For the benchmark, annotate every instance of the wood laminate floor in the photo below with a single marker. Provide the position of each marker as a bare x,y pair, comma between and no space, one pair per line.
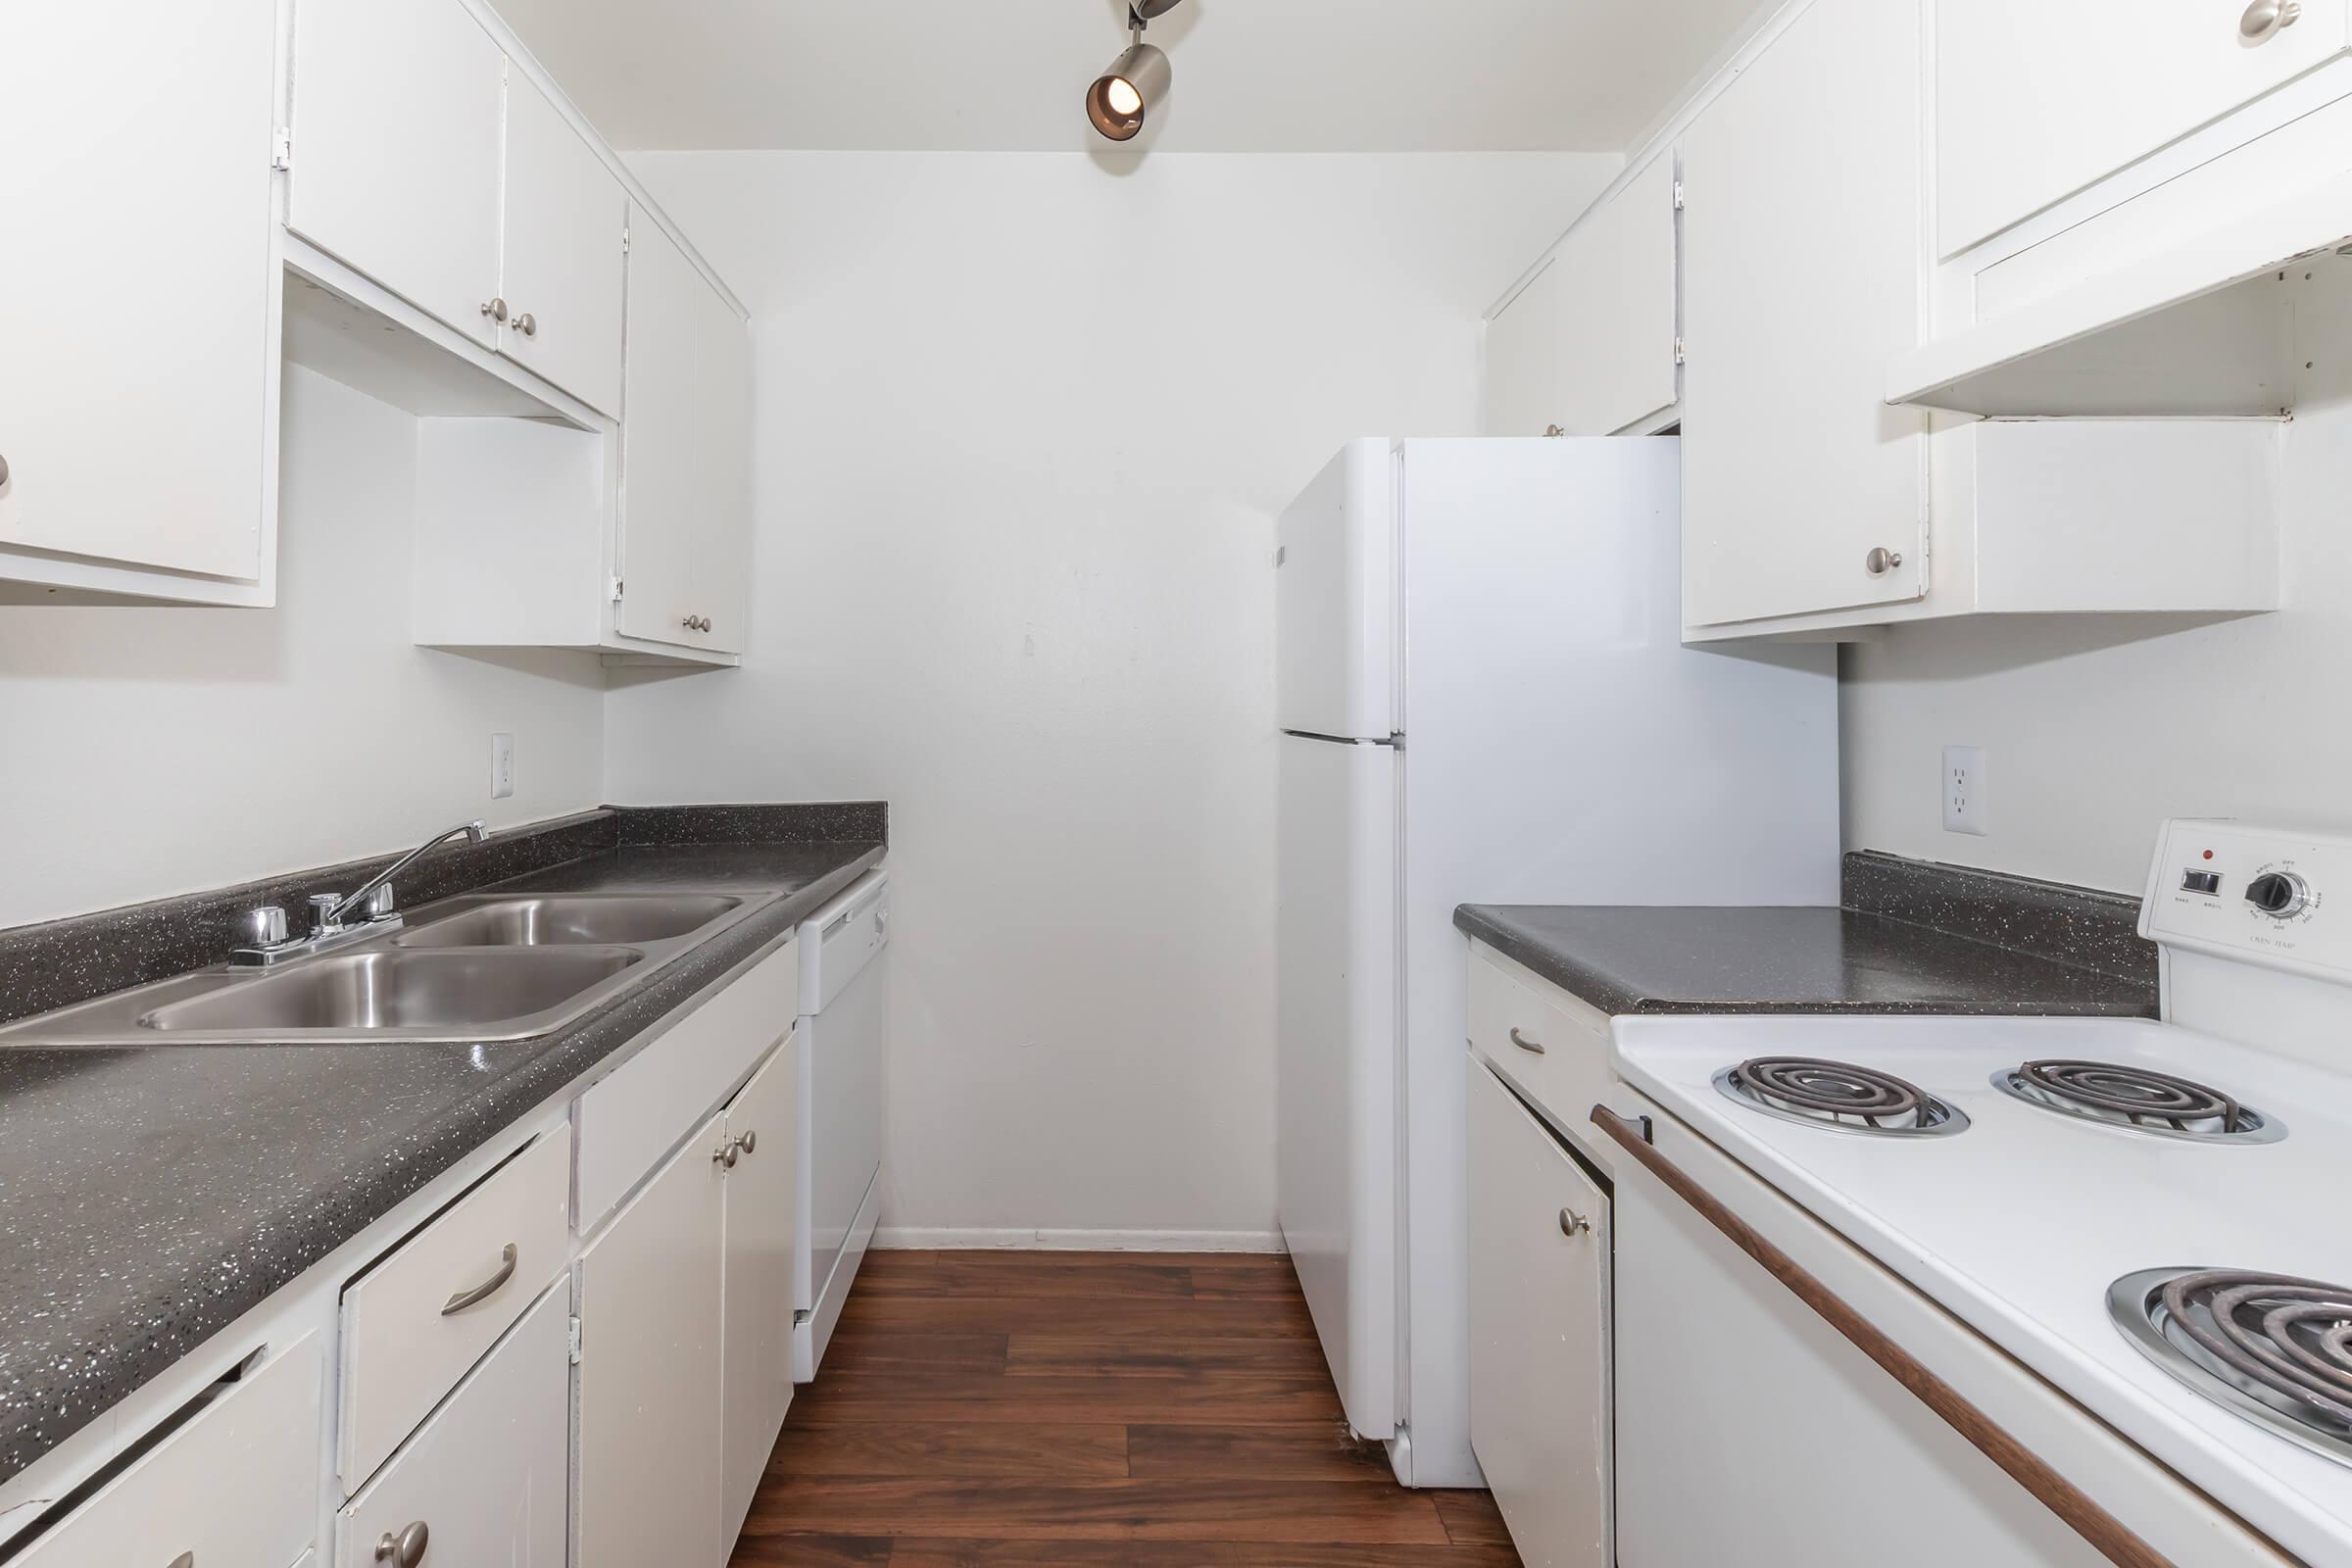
1064,1408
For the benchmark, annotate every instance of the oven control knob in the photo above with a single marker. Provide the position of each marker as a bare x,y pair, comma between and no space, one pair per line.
2278,893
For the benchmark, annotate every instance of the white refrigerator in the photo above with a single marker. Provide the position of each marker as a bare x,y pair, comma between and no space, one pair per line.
1484,699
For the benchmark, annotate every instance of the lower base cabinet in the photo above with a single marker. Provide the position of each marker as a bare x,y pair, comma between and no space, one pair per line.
685,1309
763,1213
650,1383
1539,1394
484,1480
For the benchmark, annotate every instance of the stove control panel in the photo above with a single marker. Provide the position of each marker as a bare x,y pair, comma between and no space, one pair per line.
2253,894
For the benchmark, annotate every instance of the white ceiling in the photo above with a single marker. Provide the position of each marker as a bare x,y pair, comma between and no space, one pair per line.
1250,76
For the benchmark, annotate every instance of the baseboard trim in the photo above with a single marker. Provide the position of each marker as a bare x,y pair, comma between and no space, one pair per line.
906,1238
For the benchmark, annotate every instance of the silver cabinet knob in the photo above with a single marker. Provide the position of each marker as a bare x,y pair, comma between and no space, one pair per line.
3,471
1573,1224
265,927
496,310
750,1142
1881,560
727,1156
697,623
186,1559
2265,20
406,1549
526,324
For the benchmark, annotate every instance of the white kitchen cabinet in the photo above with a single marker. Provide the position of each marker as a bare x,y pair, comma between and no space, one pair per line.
1539,1400
237,1482
1617,308
485,1481
2036,99
1802,274
139,303
562,271
685,457
1523,358
763,1214
397,130
650,1384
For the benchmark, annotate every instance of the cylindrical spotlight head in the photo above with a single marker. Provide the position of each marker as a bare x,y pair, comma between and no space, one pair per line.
1128,91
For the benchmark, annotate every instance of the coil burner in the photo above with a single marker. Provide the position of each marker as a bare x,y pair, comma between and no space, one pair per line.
1839,1096
2276,1349
2136,1099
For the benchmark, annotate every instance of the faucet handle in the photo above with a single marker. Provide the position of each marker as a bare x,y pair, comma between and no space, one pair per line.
382,903
322,905
263,927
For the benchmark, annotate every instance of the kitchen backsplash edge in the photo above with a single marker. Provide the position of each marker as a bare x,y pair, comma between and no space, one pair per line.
2081,927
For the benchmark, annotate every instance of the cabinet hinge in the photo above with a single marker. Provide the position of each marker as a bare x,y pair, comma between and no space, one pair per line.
1677,351
1678,196
616,587
575,1342
282,148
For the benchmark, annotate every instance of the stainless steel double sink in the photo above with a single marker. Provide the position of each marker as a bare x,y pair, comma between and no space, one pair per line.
482,967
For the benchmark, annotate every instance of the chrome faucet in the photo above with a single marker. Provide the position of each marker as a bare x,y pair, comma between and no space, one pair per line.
265,938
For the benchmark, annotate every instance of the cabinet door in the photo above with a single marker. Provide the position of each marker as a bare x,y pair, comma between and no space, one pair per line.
1616,309
1802,266
2036,100
561,270
137,292
649,1377
487,1476
1539,1333
762,1212
685,452
396,109
1523,364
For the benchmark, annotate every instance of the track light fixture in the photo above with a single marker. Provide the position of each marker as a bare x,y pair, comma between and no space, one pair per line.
1134,84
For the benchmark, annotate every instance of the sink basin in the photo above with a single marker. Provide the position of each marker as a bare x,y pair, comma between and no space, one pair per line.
578,920
395,990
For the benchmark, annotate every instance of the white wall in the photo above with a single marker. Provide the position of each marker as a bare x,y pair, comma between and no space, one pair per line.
147,752
2097,729
1024,424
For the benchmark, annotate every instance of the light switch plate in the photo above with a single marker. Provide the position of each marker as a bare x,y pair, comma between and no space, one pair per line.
1963,789
501,766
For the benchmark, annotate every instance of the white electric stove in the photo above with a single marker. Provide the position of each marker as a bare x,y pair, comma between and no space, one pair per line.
2149,1215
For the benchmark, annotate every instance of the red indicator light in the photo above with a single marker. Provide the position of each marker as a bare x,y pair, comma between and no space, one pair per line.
2209,854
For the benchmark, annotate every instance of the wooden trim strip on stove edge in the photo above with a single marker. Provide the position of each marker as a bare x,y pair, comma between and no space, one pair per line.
2106,1533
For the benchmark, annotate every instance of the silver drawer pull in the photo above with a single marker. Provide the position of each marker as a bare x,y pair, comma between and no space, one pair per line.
406,1549
2264,19
1525,1043
476,1296
1573,1224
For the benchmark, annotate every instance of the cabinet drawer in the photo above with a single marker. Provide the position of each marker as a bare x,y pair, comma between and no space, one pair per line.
487,1475
1539,1332
631,1119
1556,1057
236,1486
414,1323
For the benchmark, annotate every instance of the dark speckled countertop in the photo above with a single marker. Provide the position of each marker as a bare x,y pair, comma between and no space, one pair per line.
1811,960
154,1194
1912,936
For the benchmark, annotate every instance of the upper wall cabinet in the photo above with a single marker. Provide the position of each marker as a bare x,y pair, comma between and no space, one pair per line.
397,119
1803,492
423,160
685,454
1588,346
2038,99
139,309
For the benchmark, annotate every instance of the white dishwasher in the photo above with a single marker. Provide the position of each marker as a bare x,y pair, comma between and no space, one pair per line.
844,984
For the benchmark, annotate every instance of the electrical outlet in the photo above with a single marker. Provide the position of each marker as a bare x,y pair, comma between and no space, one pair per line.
501,766
1963,789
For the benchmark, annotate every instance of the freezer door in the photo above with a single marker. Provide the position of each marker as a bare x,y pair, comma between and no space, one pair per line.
1336,603
1336,1012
